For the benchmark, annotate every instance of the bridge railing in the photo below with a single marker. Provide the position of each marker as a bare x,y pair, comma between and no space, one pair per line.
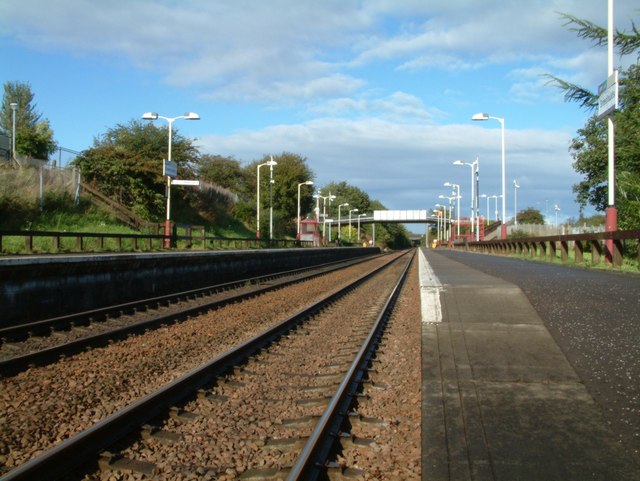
30,242
610,247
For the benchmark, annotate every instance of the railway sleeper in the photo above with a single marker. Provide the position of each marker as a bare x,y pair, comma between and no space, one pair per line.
165,437
117,463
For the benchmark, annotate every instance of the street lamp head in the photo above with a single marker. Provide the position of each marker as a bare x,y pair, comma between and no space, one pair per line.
354,210
344,205
448,184
191,116
149,116
13,105
309,182
271,162
515,185
458,162
480,116
332,197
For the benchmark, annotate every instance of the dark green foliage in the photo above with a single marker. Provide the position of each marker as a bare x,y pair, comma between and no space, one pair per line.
590,148
34,137
530,216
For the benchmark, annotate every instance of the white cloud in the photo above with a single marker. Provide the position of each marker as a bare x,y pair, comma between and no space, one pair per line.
388,160
282,49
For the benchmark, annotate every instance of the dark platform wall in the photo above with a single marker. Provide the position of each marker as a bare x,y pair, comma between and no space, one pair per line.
38,287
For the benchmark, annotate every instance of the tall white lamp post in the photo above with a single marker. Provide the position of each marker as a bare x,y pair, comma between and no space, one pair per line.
447,225
14,107
271,182
307,182
484,116
359,217
170,120
270,163
557,209
456,192
350,211
440,213
475,171
483,196
515,202
340,207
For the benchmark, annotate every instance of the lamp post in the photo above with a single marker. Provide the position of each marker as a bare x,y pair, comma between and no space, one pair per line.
557,209
271,163
447,226
515,202
475,173
350,211
484,116
271,182
487,197
170,120
340,207
440,221
306,182
359,216
14,107
456,191
324,210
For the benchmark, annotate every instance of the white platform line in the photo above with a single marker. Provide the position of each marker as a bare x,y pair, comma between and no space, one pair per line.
430,288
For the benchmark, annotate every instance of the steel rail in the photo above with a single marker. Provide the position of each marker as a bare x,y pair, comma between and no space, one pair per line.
312,459
12,366
77,450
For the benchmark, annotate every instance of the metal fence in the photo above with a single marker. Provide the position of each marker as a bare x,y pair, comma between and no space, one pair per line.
45,242
609,247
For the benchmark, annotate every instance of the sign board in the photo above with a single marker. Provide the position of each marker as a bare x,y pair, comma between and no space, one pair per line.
169,168
608,95
185,182
399,215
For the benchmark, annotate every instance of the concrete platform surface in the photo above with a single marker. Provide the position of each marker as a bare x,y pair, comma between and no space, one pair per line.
500,399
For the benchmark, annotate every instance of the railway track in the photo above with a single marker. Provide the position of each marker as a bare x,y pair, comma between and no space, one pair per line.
41,342
280,405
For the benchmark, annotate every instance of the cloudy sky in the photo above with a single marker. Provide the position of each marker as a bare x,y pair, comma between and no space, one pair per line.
377,93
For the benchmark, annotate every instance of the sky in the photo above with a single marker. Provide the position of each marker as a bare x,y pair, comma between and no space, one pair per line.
378,93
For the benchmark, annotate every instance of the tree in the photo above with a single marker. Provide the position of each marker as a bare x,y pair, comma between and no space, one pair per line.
224,171
589,148
291,170
34,136
530,216
126,164
627,43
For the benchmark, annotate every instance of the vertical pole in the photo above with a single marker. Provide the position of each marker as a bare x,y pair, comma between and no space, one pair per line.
258,205
477,180
271,181
473,167
611,213
167,224
504,184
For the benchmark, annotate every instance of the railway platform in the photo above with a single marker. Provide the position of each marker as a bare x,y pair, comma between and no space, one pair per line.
500,401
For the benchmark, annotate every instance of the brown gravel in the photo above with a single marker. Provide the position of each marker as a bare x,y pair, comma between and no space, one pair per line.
43,406
394,398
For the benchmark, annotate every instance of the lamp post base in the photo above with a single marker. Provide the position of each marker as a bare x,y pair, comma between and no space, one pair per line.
612,251
167,234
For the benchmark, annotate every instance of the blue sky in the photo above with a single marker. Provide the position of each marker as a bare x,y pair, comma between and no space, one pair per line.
376,93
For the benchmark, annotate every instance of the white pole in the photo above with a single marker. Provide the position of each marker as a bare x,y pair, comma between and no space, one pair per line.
271,182
258,206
